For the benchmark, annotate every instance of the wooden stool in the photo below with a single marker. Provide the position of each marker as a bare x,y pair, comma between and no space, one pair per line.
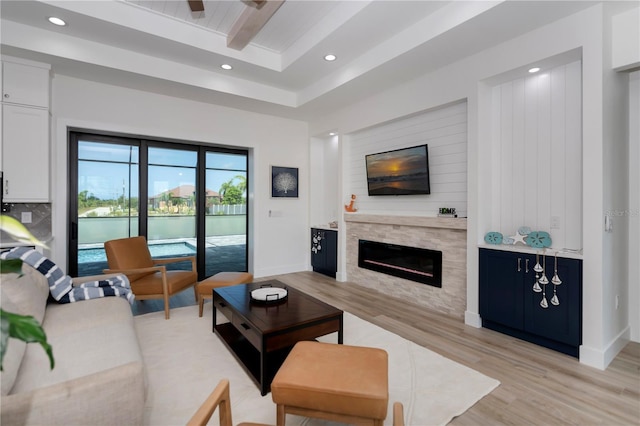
348,384
204,289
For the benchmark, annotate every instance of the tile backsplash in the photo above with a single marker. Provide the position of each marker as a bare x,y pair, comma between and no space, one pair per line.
40,225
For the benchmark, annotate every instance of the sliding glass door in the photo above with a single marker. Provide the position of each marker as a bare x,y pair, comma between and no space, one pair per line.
105,200
185,199
226,212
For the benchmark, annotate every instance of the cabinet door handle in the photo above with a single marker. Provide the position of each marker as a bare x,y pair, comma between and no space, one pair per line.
6,187
519,268
6,95
526,266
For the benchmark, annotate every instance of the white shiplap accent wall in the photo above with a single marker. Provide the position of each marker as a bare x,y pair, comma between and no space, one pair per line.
537,155
445,131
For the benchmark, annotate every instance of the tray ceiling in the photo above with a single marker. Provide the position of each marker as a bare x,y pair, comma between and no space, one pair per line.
162,46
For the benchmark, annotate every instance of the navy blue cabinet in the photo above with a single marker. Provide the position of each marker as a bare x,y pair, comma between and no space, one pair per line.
324,251
502,294
509,305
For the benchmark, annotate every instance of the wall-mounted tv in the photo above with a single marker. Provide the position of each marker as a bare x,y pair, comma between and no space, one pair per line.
399,172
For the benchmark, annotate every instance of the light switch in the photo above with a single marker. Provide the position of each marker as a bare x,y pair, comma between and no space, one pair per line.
608,224
26,217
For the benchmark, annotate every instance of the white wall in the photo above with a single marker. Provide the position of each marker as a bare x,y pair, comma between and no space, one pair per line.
279,243
323,207
444,130
583,32
626,40
536,152
634,205
615,281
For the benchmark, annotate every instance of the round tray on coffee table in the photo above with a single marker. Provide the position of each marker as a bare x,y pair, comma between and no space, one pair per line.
268,295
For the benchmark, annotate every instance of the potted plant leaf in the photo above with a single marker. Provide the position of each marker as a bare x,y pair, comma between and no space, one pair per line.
22,327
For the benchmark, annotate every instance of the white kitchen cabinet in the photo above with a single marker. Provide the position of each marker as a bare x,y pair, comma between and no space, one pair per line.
25,82
25,154
25,130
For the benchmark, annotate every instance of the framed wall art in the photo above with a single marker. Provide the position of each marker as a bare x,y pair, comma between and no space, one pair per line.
284,182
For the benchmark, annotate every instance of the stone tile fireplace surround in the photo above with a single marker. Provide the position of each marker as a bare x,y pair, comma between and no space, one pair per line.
448,235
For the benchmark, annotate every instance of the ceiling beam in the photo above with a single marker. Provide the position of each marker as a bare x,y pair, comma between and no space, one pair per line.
196,5
250,22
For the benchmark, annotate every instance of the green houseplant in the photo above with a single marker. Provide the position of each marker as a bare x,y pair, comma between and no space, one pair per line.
22,327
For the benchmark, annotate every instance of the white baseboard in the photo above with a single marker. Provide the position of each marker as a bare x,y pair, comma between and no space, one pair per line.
286,269
473,319
601,359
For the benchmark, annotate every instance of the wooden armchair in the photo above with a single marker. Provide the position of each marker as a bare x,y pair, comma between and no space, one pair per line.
149,277
398,414
221,400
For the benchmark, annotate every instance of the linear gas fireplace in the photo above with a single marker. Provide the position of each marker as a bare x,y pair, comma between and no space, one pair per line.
412,263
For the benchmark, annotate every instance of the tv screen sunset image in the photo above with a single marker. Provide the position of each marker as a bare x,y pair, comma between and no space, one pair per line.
400,172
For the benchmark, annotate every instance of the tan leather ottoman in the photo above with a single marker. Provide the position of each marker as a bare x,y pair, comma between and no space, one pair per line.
204,289
349,384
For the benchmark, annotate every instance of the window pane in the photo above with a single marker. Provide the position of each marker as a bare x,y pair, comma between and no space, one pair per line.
226,213
107,205
108,152
172,157
226,161
171,224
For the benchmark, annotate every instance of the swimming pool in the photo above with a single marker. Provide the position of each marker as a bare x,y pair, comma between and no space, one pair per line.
157,250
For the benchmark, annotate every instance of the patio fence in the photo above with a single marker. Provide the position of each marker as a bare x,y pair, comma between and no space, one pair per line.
92,230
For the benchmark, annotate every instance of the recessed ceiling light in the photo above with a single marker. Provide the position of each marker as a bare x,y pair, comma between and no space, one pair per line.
57,21
330,57
332,133
226,67
534,69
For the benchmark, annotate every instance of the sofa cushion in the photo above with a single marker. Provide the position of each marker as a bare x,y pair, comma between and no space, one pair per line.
13,356
111,397
24,295
87,337
29,292
59,283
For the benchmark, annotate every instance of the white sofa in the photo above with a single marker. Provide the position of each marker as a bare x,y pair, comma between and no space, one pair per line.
99,375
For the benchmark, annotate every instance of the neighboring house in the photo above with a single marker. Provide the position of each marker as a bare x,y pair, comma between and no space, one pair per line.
295,133
183,192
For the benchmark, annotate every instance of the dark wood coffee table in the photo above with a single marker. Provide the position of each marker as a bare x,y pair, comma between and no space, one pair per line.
261,335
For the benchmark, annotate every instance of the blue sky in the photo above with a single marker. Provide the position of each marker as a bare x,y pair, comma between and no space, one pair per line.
109,171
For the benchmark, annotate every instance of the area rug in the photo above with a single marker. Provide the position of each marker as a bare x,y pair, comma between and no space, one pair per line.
185,361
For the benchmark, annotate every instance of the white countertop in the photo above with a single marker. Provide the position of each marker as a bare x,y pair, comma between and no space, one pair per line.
9,243
324,227
518,248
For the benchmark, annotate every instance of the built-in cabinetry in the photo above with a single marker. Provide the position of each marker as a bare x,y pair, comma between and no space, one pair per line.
324,251
509,304
25,130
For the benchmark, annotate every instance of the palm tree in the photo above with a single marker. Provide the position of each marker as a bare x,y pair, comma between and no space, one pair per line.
192,202
228,187
166,197
242,185
225,187
179,202
82,198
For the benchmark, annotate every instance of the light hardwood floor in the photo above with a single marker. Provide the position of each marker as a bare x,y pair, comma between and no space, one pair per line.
538,386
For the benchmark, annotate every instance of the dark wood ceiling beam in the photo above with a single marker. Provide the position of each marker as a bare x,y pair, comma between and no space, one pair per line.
250,22
196,5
